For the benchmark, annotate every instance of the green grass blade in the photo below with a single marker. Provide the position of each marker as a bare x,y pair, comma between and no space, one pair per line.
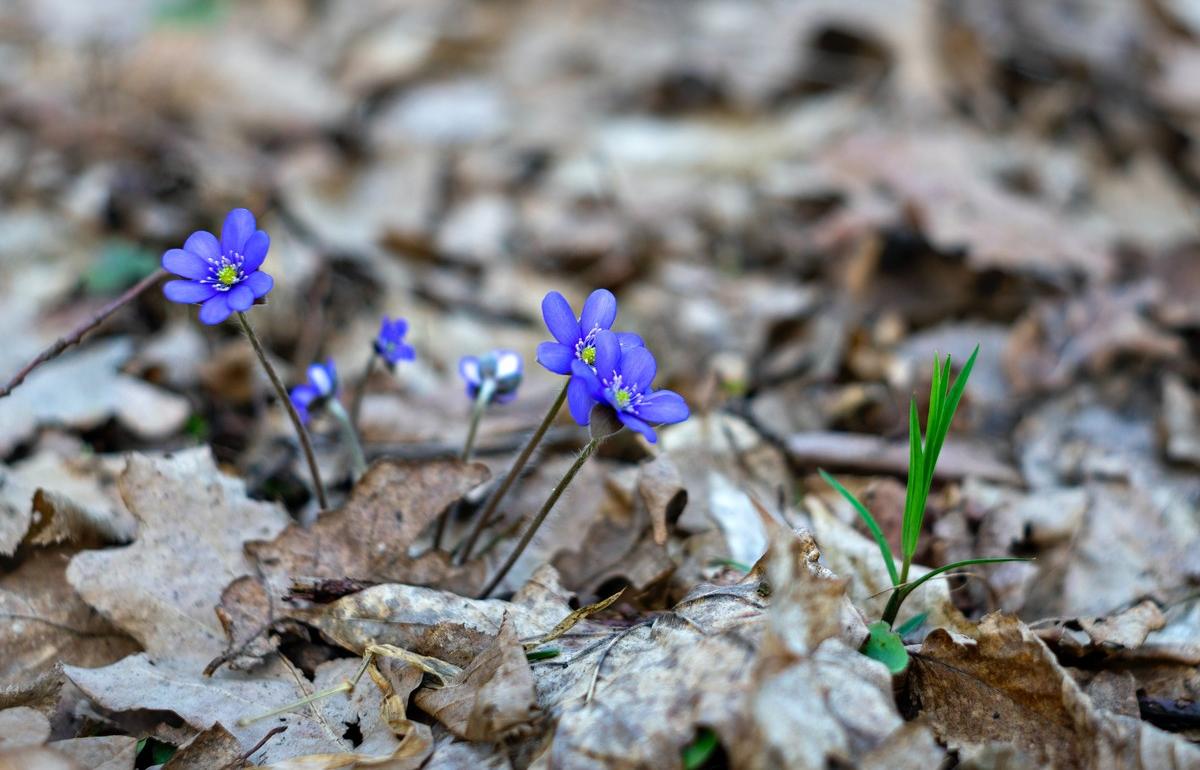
911,527
872,525
954,397
915,584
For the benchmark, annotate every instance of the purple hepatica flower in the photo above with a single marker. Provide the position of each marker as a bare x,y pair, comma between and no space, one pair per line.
222,276
390,344
322,385
621,379
576,341
503,367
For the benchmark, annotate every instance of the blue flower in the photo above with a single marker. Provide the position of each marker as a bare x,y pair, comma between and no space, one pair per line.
576,341
322,385
222,276
390,344
503,367
621,379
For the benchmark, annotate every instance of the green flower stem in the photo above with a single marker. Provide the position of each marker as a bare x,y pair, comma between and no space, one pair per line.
482,397
358,461
281,391
489,508
486,391
356,405
563,483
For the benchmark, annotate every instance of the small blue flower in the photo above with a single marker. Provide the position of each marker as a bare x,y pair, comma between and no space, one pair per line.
576,341
322,385
621,379
503,367
390,344
222,276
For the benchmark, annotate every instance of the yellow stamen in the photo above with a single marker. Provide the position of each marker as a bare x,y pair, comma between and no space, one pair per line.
588,355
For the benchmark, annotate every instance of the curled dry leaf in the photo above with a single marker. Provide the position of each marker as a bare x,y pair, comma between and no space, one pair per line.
493,698
215,747
163,588
1006,687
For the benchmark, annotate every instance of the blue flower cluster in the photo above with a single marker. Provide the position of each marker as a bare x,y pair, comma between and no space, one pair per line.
613,369
606,368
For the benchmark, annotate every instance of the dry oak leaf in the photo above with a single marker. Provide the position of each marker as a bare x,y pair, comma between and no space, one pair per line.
163,588
1006,687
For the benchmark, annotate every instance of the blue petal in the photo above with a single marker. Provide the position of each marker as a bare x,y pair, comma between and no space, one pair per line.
608,354
579,401
583,373
508,364
215,310
637,368
255,251
468,369
203,244
599,311
556,357
630,340
239,226
185,263
560,319
633,423
188,292
303,395
260,283
663,406
241,297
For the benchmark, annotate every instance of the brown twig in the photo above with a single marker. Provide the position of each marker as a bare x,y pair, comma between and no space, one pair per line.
245,756
62,343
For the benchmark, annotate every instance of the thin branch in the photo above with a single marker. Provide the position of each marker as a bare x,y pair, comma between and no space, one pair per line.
62,343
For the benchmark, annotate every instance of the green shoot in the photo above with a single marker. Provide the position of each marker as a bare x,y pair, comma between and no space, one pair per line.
697,753
923,451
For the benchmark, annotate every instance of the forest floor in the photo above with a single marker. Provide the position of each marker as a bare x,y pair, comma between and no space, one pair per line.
796,204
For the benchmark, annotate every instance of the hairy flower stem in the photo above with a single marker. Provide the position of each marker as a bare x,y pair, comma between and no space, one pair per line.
563,483
281,391
356,405
493,501
486,391
358,461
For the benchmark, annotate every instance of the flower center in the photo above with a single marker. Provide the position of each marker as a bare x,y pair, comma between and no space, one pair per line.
588,355
622,397
227,275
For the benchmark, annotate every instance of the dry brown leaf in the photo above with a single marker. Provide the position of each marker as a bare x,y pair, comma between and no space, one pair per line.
163,588
571,620
52,395
215,747
493,698
22,726
368,537
137,683
1006,687
41,758
43,621
109,752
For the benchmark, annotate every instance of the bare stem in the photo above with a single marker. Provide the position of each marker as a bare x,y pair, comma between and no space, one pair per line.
489,508
356,405
561,487
358,460
281,391
62,343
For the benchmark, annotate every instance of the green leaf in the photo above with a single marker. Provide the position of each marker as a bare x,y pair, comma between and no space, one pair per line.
872,525
119,266
737,565
885,645
913,585
912,624
696,753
